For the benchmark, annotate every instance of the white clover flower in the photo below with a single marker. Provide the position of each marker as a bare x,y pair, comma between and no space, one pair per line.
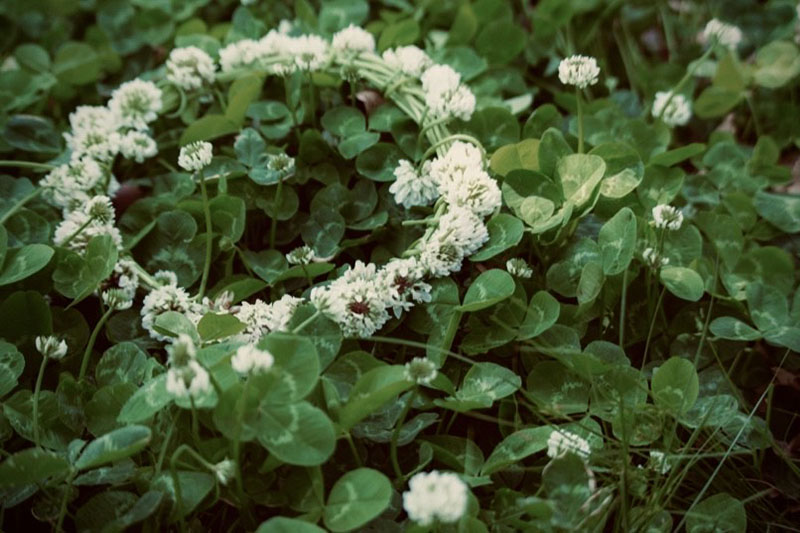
460,233
435,496
117,299
93,118
580,71
562,442
412,189
188,380
168,297
51,347
261,318
166,277
99,208
658,462
276,51
282,164
99,145
195,156
241,54
310,52
444,94
302,255
667,217
420,370
137,145
725,34
78,228
653,259
190,67
136,103
410,60
225,470
351,41
357,300
403,279
249,359
472,189
519,268
674,110
68,186
460,157
124,278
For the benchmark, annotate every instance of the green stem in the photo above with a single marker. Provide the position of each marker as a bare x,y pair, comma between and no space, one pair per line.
209,237
685,79
396,435
578,100
708,315
306,322
652,325
88,351
622,306
237,441
353,449
20,204
36,391
76,232
451,138
163,453
26,164
62,510
273,228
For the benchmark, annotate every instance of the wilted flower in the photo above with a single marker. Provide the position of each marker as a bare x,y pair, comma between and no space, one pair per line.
225,470
653,259
117,299
51,347
580,71
519,268
195,156
435,496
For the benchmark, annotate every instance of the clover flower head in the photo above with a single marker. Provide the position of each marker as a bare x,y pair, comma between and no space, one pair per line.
190,380
435,496
117,299
137,145
241,54
410,60
674,110
261,318
136,103
225,470
580,71
667,217
445,96
190,67
302,255
517,267
352,40
195,156
420,370
51,347
310,52
403,279
168,297
562,442
411,188
652,258
100,208
78,228
249,359
723,33
70,185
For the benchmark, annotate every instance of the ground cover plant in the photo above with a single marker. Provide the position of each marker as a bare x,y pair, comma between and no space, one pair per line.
399,266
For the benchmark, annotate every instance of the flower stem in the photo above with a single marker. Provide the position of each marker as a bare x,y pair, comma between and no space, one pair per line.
396,435
273,228
76,232
622,305
209,237
306,322
652,325
237,441
579,99
62,510
19,205
37,390
88,351
26,164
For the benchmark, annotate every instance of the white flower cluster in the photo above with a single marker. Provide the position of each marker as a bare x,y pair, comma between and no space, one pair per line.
653,259
261,318
302,255
168,297
445,95
411,188
186,377
195,156
519,268
249,359
94,218
410,60
278,53
51,347
580,71
225,470
420,370
190,68
351,41
725,34
667,217
435,496
136,103
562,442
674,110
70,185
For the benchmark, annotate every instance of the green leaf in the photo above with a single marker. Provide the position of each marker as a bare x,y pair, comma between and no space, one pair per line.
777,64
590,283
356,498
727,327
24,262
207,128
464,26
228,216
556,389
552,148
355,144
624,169
194,487
76,64
218,326
683,282
678,155
505,231
250,147
483,384
295,371
242,92
489,288
124,363
617,240
516,447
781,210
335,15
372,391
580,174
675,385
522,155
400,33
378,163
281,524
146,402
500,41
720,512
31,466
12,363
113,446
344,121
543,311
768,306
716,101
297,434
